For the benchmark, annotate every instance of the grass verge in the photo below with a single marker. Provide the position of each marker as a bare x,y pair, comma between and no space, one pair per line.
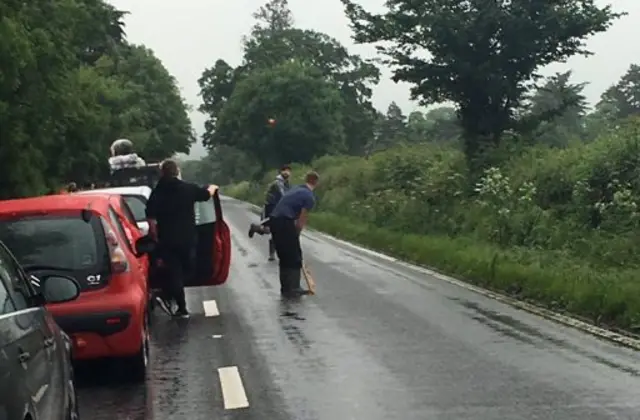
608,298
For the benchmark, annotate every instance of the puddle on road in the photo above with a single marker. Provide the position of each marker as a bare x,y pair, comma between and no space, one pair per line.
504,330
292,331
292,315
518,330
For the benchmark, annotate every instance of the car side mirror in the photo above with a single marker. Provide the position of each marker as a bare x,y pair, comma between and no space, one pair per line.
145,245
59,289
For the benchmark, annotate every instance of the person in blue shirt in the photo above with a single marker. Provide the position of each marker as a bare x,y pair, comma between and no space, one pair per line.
287,220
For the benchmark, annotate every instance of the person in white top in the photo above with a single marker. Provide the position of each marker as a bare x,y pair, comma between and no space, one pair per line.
124,156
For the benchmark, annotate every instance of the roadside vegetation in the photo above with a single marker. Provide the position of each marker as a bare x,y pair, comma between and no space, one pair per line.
70,84
516,186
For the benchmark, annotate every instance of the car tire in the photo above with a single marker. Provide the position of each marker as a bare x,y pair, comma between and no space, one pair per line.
136,365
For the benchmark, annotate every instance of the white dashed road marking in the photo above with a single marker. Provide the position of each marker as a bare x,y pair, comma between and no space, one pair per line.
210,308
233,392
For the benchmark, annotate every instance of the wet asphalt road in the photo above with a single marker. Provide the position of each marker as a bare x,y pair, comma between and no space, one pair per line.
379,341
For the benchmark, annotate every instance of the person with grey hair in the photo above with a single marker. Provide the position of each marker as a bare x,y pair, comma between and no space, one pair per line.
171,215
123,156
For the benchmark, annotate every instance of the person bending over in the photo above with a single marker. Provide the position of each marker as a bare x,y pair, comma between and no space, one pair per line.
288,219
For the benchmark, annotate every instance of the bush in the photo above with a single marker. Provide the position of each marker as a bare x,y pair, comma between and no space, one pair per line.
557,226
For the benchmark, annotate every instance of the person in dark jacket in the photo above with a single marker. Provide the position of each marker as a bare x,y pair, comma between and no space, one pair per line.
274,193
288,219
171,215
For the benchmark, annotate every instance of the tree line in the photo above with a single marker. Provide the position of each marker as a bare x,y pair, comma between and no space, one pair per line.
479,61
70,84
509,180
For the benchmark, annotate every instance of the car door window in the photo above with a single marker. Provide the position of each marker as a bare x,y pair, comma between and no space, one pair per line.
138,206
121,230
127,212
14,293
6,305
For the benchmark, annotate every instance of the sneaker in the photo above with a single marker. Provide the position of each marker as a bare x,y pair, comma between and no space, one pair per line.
182,313
164,304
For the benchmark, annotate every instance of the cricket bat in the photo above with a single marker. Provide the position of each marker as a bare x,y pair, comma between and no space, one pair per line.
311,283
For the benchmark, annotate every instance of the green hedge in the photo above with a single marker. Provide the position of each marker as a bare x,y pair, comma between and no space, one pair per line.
554,226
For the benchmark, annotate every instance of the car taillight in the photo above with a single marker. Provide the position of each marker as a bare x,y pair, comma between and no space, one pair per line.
117,256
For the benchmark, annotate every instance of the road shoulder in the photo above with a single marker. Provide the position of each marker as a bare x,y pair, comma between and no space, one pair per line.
623,339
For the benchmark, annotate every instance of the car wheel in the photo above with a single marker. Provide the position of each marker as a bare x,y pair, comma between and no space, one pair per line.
72,406
136,365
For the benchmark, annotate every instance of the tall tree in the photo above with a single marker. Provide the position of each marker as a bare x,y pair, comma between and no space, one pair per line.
483,55
216,86
306,111
70,84
561,106
392,128
442,124
271,18
624,97
164,127
274,41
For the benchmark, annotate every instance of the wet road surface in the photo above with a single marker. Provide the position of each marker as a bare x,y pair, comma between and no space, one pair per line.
379,341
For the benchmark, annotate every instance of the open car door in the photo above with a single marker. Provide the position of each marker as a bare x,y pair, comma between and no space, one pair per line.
213,247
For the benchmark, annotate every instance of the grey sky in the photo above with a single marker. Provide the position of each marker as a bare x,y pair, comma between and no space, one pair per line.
189,35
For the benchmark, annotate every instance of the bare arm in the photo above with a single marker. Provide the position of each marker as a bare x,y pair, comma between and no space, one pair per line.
153,228
304,214
201,194
302,220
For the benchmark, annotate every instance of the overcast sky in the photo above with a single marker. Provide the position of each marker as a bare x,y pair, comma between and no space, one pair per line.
190,35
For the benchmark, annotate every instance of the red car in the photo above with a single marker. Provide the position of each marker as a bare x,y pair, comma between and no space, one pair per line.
89,238
213,249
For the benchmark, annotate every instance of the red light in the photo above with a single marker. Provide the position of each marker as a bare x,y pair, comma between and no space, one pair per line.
113,321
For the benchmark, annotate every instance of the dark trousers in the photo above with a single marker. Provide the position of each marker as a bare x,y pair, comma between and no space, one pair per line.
178,267
286,240
267,229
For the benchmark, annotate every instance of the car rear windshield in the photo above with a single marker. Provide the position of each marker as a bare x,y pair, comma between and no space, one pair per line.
66,242
137,204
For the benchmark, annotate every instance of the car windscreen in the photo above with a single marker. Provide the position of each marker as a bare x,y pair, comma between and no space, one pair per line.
66,242
137,204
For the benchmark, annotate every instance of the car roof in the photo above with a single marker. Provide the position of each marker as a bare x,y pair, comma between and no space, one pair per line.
51,203
142,190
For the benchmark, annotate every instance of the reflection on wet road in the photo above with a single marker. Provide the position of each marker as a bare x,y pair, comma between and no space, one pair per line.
379,341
